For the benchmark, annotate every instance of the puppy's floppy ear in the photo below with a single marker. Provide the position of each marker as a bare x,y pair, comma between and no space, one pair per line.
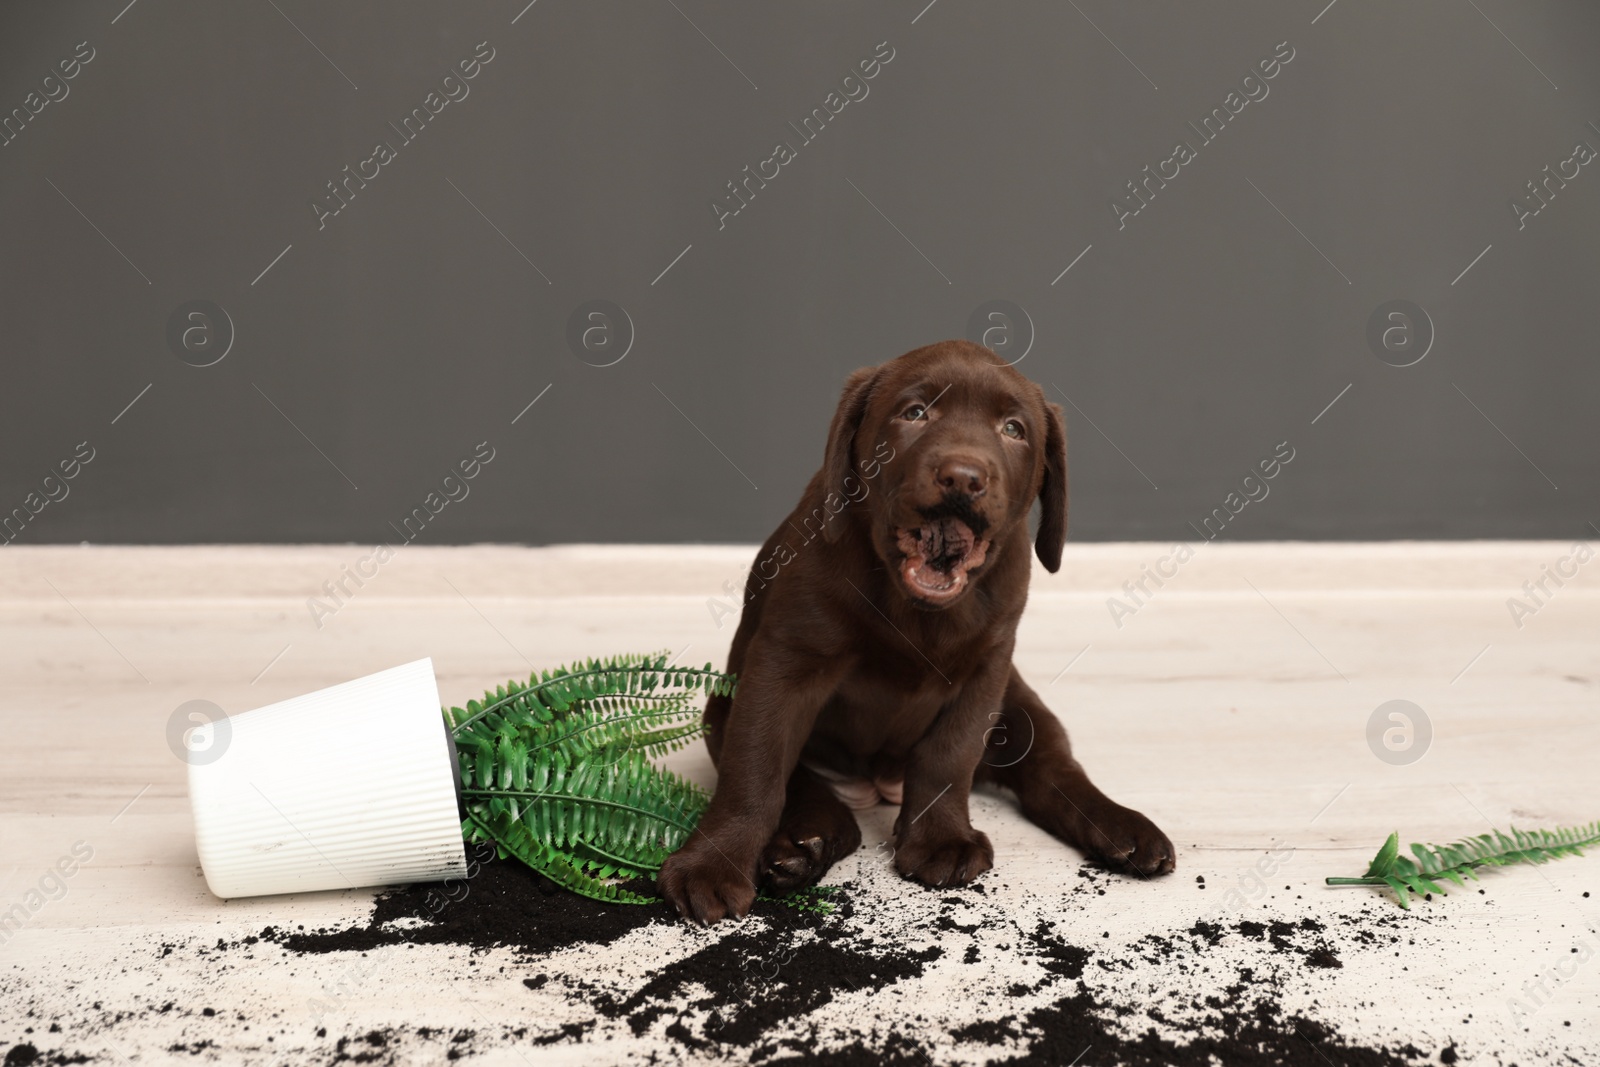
1053,492
837,461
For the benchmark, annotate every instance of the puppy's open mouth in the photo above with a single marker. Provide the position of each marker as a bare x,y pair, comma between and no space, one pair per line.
938,556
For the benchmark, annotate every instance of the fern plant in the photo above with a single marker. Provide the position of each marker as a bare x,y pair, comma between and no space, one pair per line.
1460,860
559,771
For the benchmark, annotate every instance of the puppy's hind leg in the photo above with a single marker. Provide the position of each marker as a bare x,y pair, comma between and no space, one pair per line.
1027,752
816,831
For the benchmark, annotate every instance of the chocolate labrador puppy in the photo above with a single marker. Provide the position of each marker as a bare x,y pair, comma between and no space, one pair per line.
874,648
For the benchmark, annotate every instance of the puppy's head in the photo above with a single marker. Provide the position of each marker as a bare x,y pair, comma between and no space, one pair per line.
947,448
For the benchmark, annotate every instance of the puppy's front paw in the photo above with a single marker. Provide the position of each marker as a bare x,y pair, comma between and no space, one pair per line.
704,884
803,849
953,859
1126,840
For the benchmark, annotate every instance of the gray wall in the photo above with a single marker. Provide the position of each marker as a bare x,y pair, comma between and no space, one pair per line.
1189,339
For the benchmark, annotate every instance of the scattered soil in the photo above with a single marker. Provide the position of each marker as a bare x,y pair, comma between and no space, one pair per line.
26,1055
1253,1034
506,905
756,980
1323,956
748,991
993,974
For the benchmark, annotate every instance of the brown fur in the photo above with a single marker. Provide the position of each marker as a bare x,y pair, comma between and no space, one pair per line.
843,663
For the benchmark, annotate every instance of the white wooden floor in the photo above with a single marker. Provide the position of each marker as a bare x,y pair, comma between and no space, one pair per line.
1232,707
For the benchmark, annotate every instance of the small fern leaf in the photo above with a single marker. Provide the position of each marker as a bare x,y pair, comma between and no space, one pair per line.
1383,862
1460,860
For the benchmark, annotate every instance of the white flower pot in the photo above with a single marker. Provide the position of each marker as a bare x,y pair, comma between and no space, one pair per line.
353,785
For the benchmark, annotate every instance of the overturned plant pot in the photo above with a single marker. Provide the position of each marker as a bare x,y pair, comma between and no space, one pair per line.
353,785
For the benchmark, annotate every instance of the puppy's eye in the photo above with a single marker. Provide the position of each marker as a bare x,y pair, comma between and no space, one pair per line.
913,413
1012,428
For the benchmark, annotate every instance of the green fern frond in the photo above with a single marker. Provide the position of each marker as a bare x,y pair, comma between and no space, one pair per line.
557,771
608,722
513,839
1460,860
645,679
629,809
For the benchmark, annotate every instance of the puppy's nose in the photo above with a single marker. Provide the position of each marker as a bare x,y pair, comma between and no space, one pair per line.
961,476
